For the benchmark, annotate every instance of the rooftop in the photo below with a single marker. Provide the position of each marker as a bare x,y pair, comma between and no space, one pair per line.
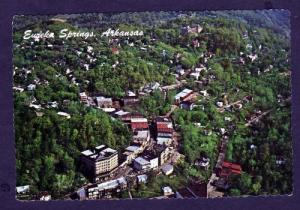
99,152
132,148
183,93
141,161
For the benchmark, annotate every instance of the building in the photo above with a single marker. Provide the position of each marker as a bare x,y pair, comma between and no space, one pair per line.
122,115
139,124
167,191
130,100
106,189
64,114
179,97
83,97
23,189
167,169
146,162
141,164
187,105
141,137
142,178
229,168
191,29
167,141
99,162
195,75
134,149
31,87
162,152
103,102
164,131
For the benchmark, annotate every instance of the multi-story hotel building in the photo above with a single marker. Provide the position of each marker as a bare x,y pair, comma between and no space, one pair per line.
99,163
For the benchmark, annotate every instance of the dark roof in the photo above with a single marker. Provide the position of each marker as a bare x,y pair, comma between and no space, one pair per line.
199,189
185,193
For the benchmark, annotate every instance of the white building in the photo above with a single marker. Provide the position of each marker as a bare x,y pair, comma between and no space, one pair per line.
182,95
64,114
31,87
141,164
142,178
22,189
167,191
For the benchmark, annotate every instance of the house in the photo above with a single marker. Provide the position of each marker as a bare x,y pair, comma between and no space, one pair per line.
142,178
64,114
167,141
99,162
31,87
103,102
141,137
108,110
134,149
35,106
179,97
53,104
163,153
141,164
229,168
130,100
152,158
139,124
148,88
106,189
163,124
167,169
187,105
191,29
122,115
83,97
220,104
195,75
23,189
167,191
18,89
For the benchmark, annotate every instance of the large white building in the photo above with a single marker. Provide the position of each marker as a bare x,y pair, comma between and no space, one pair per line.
98,162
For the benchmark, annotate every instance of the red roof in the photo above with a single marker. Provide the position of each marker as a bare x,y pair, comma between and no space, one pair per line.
139,125
115,50
162,125
165,130
228,168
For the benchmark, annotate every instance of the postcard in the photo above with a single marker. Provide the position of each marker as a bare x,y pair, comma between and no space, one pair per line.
152,105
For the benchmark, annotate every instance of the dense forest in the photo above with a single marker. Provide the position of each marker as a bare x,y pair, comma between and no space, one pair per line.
242,57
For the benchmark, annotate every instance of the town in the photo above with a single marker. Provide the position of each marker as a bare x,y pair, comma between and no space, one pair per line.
187,124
